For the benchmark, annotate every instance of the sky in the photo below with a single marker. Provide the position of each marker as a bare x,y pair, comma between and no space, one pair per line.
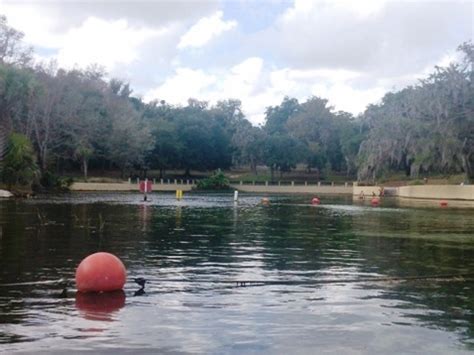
349,52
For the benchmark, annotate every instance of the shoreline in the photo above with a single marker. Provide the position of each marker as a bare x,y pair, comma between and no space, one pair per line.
416,192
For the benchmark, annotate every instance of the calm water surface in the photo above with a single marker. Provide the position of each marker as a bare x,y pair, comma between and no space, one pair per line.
188,250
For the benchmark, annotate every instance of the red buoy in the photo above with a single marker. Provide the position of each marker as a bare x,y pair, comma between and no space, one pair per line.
315,201
100,272
375,201
443,203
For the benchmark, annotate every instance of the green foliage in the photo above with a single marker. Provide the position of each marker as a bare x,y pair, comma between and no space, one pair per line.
276,117
78,118
19,165
427,128
51,181
217,181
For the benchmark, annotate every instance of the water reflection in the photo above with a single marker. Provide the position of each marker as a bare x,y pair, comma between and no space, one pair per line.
100,306
144,212
203,240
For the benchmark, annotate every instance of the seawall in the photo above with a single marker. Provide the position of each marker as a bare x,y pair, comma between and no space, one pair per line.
437,192
101,186
429,192
293,189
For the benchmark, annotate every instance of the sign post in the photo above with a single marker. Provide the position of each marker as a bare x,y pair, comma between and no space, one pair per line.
145,187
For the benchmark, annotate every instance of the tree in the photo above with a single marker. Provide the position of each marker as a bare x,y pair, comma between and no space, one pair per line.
16,88
19,164
276,117
129,138
248,142
12,50
425,128
282,152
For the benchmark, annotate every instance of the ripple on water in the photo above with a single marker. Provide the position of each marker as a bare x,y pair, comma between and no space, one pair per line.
194,251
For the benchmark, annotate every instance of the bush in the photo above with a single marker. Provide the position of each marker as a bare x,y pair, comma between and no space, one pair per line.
217,181
19,166
51,181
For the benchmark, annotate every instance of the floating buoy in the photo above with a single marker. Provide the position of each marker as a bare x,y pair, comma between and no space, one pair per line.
315,201
265,200
443,203
375,201
100,272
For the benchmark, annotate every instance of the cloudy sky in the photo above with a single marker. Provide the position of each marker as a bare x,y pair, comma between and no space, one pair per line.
350,52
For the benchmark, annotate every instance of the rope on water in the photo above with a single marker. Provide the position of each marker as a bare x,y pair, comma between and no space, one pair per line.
439,278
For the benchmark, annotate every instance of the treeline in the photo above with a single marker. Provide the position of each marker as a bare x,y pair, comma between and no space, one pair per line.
79,119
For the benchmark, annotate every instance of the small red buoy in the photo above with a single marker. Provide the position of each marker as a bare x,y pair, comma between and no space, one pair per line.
443,203
100,272
315,201
375,201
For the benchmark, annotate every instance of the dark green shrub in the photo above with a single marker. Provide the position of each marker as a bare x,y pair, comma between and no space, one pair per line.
217,181
51,181
19,165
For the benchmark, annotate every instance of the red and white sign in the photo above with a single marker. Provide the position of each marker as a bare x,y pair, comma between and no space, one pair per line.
145,186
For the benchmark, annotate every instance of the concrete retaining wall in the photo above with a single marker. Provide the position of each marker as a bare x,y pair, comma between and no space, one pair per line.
96,186
296,189
367,191
448,192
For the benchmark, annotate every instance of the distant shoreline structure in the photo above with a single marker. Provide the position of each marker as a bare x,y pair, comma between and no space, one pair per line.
429,192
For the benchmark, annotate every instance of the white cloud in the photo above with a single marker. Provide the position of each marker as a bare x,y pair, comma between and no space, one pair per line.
259,88
345,98
384,37
205,30
108,43
243,78
184,84
95,40
362,8
38,30
347,51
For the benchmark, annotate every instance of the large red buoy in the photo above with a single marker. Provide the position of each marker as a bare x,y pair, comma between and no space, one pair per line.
443,203
315,201
100,272
375,201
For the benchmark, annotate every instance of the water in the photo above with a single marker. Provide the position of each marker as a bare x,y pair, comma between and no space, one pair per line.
189,250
